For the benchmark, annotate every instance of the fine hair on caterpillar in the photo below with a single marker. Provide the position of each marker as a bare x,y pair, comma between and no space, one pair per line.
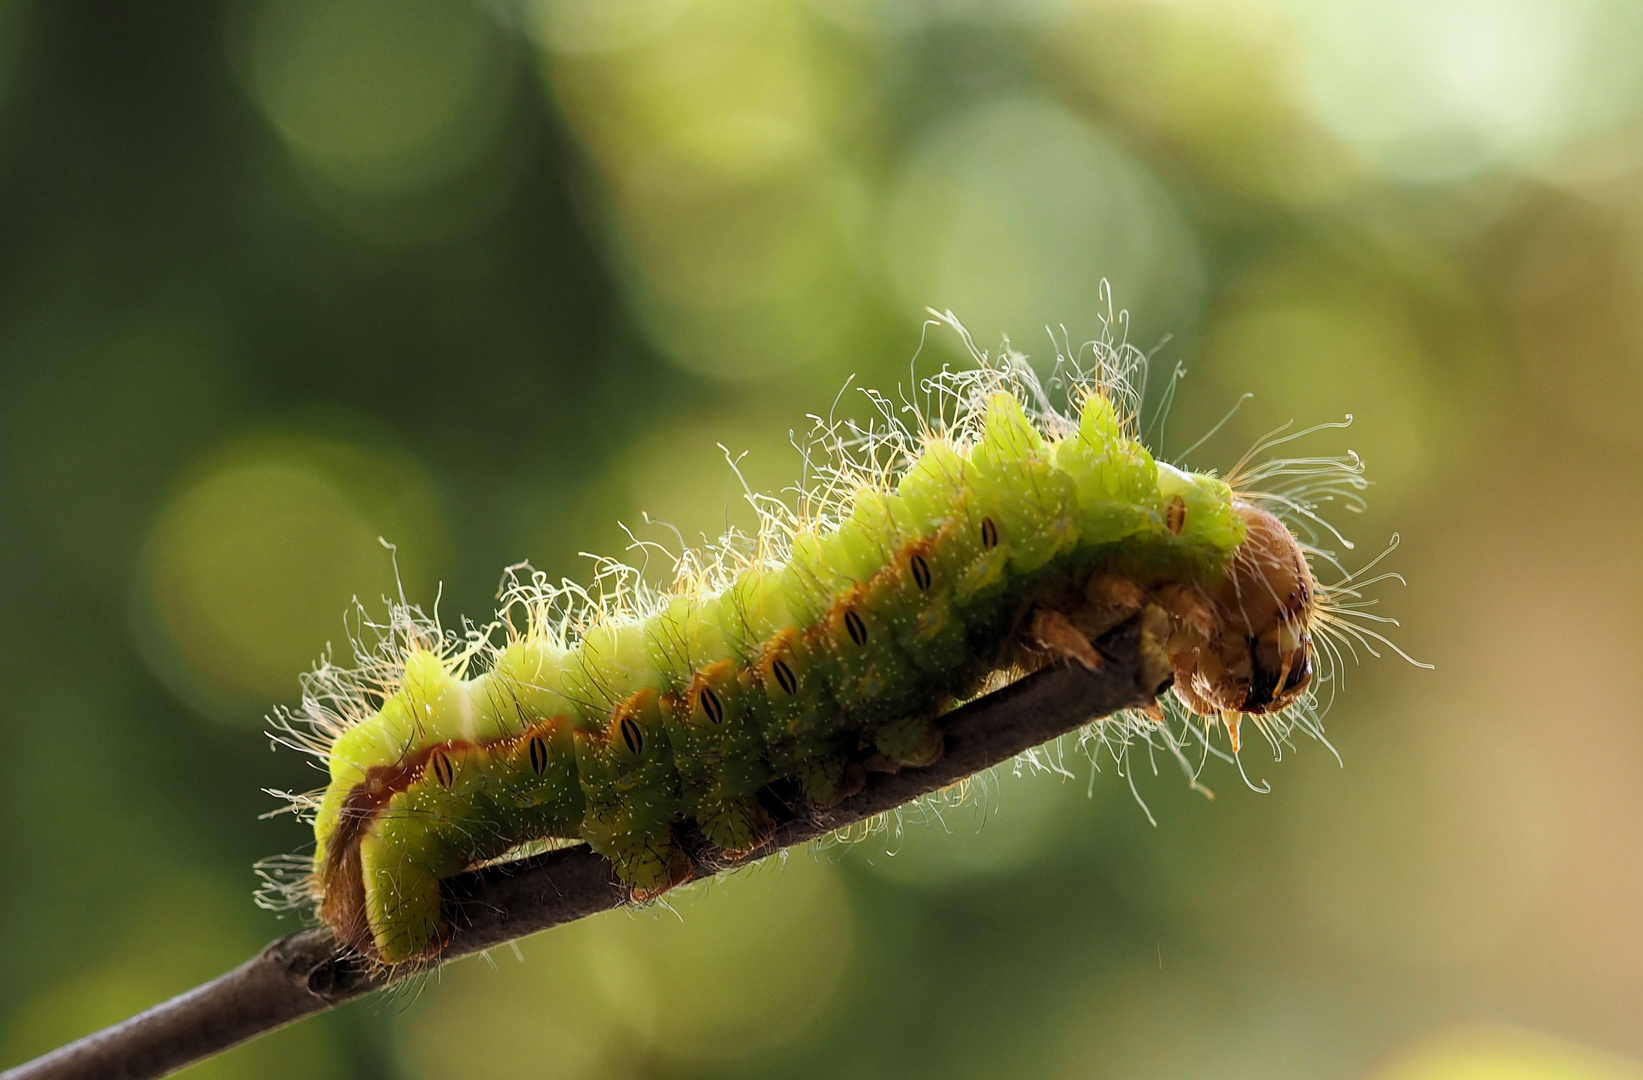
942,547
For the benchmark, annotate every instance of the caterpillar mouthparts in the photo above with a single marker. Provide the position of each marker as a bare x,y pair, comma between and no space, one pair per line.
1261,660
993,534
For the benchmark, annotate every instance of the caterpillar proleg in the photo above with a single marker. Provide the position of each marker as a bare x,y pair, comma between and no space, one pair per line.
946,545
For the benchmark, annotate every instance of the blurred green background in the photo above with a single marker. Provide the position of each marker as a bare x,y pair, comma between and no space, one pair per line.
279,277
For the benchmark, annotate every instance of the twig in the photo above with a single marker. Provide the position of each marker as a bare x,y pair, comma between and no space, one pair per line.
308,972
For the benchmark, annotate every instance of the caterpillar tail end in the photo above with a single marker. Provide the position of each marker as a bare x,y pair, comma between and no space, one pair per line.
339,884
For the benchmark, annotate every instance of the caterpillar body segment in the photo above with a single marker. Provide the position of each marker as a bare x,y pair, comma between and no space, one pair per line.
996,539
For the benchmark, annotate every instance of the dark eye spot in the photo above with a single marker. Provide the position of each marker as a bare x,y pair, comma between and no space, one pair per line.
856,628
989,534
921,572
784,676
631,735
539,754
712,705
1175,517
440,765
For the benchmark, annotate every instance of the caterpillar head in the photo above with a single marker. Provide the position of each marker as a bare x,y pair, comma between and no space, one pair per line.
1259,659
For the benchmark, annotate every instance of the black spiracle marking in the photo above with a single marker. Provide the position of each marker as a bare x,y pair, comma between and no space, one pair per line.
538,749
632,735
712,705
1175,516
784,676
921,572
442,768
855,627
989,534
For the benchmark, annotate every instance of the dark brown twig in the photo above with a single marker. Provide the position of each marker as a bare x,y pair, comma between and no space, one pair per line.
307,972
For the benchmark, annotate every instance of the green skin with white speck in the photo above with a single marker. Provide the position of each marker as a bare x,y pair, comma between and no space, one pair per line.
854,647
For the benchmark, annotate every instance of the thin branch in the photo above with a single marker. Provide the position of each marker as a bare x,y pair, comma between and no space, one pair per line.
308,972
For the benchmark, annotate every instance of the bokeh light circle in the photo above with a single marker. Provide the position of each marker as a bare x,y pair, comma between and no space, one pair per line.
734,222
1011,215
1433,90
744,282
379,95
251,568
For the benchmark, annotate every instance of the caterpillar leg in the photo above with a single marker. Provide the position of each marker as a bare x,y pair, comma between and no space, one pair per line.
401,904
739,826
913,741
650,867
1112,598
1194,621
647,861
829,779
1157,665
1054,633
1184,630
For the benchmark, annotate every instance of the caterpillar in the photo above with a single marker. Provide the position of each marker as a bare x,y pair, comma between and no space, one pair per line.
935,551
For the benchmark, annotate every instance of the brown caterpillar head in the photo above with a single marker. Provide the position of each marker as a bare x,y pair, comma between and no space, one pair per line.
1260,658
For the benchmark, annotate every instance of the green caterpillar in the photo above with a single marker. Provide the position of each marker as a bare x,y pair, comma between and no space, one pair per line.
926,561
